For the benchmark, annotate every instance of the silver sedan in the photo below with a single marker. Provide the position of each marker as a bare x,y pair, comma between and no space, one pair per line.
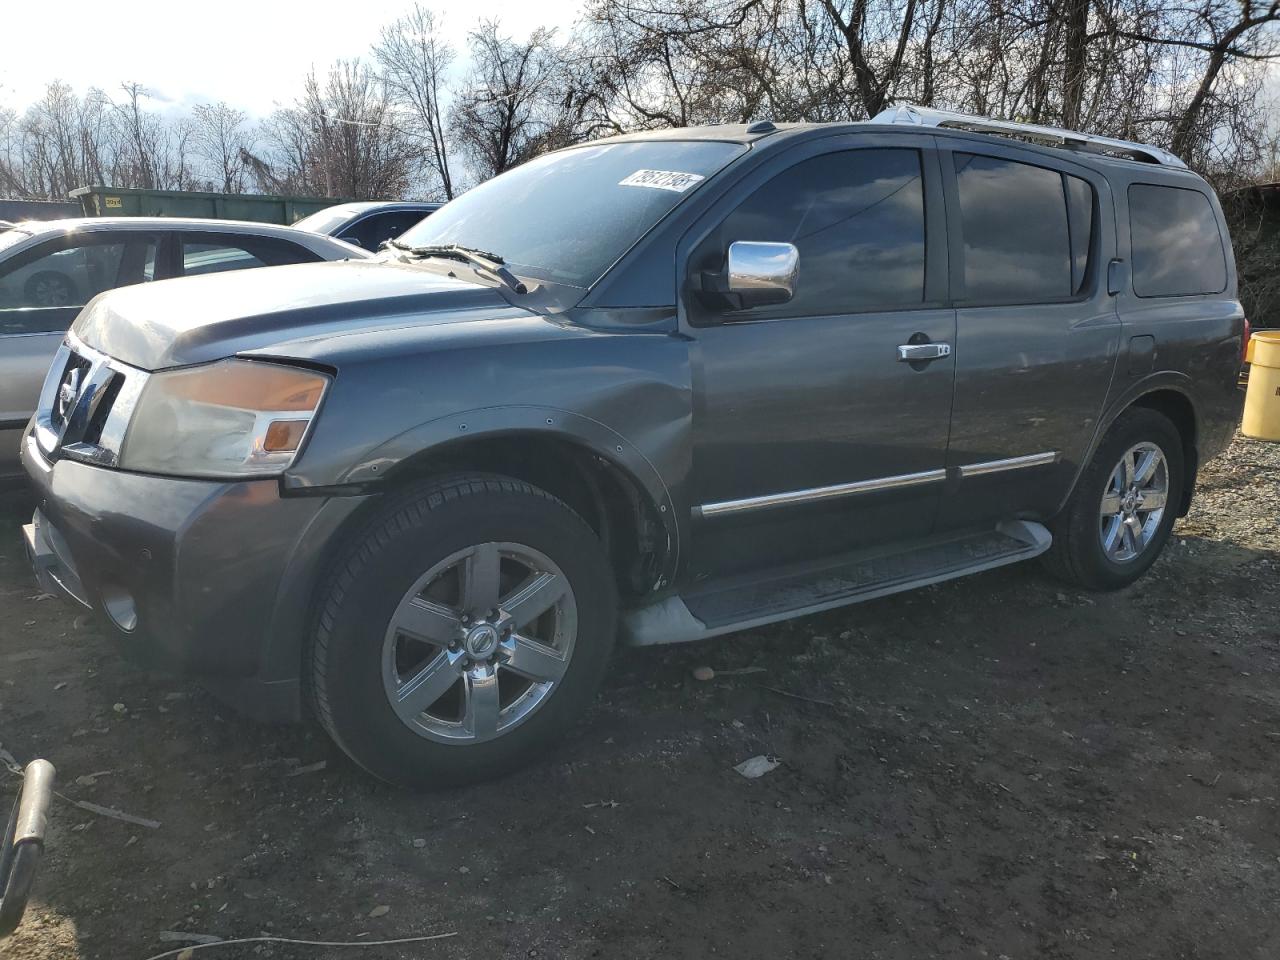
49,270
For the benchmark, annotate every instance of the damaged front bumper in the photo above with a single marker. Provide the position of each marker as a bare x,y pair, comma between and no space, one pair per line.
211,578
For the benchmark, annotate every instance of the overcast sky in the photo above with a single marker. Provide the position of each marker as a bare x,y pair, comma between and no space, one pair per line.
252,53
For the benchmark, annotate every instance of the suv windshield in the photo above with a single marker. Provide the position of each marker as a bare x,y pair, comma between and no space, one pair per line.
567,217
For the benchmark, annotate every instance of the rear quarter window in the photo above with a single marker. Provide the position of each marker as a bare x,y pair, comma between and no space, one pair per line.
1177,246
1027,230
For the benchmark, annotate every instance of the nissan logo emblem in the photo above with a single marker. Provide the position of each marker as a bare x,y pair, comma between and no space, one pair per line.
68,392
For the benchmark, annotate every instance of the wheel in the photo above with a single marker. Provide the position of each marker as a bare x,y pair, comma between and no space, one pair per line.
463,632
49,289
1124,505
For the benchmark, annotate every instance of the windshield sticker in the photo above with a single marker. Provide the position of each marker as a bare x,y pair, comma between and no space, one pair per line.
662,180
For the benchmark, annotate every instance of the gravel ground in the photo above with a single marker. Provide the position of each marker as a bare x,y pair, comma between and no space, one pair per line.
996,767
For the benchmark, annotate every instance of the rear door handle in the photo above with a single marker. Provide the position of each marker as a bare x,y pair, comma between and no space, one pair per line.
912,352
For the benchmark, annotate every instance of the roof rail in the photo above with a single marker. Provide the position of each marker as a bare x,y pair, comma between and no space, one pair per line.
1053,136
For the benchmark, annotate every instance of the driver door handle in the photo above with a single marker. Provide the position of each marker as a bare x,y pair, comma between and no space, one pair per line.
912,352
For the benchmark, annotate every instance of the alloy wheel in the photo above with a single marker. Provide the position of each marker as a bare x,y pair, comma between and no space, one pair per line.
1133,502
479,643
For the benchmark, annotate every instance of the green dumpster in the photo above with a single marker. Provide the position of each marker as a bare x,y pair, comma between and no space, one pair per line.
262,207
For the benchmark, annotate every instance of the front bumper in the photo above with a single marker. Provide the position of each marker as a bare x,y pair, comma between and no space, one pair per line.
211,578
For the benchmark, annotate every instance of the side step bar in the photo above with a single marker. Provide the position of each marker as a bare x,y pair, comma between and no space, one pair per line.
728,606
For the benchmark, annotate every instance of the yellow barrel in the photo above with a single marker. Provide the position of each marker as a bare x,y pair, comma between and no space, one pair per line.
1262,399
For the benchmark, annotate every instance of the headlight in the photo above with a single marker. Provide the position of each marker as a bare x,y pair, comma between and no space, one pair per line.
233,418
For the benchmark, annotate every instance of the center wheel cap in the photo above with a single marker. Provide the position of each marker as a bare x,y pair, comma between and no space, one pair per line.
481,641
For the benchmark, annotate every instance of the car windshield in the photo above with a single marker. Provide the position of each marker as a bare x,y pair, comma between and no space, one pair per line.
327,220
567,217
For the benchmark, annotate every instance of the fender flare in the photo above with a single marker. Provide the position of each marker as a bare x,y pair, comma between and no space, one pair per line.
1171,380
490,422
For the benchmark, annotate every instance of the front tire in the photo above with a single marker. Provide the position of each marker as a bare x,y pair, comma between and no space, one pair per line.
1124,505
463,633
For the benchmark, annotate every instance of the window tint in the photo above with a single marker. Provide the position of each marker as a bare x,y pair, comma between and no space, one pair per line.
1020,243
41,290
203,254
1177,247
1080,221
200,258
857,219
373,231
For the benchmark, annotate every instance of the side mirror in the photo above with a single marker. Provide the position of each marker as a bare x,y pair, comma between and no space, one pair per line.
757,274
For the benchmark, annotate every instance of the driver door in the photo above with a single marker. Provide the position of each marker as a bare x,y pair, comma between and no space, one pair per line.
812,438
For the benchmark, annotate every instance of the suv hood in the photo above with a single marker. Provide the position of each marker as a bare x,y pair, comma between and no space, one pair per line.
200,319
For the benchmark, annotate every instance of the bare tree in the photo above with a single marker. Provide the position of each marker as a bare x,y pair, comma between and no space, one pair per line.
513,104
339,140
222,143
1189,76
139,136
414,62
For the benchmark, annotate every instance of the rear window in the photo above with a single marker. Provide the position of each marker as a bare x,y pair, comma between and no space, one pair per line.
1027,230
1177,247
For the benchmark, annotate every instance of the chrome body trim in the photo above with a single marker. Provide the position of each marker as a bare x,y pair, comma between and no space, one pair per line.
1011,463
68,405
765,272
726,507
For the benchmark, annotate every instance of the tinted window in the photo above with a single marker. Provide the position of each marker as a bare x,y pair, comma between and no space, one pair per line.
379,228
41,290
601,199
1177,248
203,254
857,219
1020,245
1080,221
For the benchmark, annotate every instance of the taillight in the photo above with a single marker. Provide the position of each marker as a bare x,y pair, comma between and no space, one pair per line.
1244,342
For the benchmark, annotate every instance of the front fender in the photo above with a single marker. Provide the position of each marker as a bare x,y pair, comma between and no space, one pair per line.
583,431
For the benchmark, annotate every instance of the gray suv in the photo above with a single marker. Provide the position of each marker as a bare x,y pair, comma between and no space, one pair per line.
664,386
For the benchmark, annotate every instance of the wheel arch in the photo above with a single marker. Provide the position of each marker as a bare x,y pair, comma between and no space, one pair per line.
1171,396
598,473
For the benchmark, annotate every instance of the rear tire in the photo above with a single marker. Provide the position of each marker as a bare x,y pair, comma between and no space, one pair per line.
48,288
1106,537
496,686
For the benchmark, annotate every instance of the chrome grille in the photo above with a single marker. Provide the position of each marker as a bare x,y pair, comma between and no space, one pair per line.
85,405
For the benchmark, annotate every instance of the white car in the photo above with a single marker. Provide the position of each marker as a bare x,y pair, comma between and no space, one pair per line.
50,269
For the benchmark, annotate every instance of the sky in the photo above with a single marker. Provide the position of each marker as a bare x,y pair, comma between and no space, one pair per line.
253,54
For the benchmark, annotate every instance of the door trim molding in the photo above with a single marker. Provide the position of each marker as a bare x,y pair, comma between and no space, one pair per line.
1010,463
727,507
724,508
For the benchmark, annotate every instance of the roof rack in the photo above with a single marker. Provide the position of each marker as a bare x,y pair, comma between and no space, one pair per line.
1053,136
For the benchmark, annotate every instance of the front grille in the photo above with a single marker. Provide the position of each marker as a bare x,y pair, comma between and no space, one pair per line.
85,405
75,370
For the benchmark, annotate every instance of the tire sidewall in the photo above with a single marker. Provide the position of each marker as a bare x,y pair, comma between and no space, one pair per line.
359,714
1132,428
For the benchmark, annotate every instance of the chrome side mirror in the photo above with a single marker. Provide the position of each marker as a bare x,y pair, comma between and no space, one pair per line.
762,273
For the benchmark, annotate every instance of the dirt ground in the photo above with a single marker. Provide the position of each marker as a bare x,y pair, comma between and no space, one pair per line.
998,767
